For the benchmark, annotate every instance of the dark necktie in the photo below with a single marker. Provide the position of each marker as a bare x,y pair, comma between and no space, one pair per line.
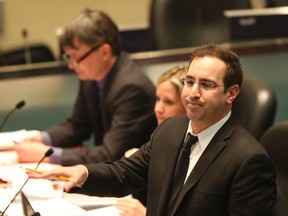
98,123
96,93
181,171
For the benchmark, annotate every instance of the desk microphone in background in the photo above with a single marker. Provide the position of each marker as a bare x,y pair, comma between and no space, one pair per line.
19,105
27,50
48,153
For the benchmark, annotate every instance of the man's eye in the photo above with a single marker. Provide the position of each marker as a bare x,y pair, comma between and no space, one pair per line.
207,85
190,82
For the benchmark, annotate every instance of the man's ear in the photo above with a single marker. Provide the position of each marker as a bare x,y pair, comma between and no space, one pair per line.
106,49
233,92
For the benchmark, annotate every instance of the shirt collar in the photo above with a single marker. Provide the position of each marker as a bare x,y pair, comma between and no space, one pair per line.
205,136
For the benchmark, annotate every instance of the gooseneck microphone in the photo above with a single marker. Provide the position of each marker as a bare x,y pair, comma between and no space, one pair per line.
27,51
19,105
48,153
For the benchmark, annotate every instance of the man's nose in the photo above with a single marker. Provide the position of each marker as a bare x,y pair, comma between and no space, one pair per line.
195,90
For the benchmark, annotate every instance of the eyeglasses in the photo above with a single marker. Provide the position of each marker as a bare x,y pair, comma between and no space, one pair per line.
68,59
204,85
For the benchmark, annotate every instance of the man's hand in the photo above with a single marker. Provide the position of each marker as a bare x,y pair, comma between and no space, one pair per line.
33,136
75,175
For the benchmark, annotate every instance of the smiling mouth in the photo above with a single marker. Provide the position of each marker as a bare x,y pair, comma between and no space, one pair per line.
194,103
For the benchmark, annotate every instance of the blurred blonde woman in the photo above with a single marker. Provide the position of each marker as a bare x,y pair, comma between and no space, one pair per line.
168,104
168,91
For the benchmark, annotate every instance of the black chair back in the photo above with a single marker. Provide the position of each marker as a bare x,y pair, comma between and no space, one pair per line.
275,141
255,106
186,23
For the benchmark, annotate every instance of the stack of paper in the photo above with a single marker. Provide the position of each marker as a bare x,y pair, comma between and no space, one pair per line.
8,139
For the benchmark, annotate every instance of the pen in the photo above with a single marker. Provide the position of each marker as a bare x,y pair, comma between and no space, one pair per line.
39,172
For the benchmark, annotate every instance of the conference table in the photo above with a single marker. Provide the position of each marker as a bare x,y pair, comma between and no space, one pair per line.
42,194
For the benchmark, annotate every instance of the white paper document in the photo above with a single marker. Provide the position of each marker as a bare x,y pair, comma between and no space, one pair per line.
106,211
46,207
89,202
8,139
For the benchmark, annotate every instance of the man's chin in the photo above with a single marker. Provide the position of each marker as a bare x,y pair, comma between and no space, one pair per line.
192,115
82,78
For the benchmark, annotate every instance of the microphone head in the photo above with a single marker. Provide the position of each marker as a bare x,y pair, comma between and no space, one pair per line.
20,104
24,33
49,152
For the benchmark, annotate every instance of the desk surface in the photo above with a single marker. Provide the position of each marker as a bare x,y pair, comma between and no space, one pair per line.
40,197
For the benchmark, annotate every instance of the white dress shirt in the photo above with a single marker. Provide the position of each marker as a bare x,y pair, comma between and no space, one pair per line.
204,138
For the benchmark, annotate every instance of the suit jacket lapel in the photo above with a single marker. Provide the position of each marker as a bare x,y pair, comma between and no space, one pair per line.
213,149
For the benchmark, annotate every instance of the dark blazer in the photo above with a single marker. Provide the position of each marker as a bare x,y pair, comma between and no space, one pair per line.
126,116
234,175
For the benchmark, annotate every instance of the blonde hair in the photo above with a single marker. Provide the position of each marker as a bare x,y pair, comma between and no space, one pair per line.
174,75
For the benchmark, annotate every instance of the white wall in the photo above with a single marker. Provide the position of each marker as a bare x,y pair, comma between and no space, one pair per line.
41,18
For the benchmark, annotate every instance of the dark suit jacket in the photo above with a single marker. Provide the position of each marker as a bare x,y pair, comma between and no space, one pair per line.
126,116
234,175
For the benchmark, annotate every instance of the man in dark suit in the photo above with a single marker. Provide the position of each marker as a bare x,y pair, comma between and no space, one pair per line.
115,101
229,172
